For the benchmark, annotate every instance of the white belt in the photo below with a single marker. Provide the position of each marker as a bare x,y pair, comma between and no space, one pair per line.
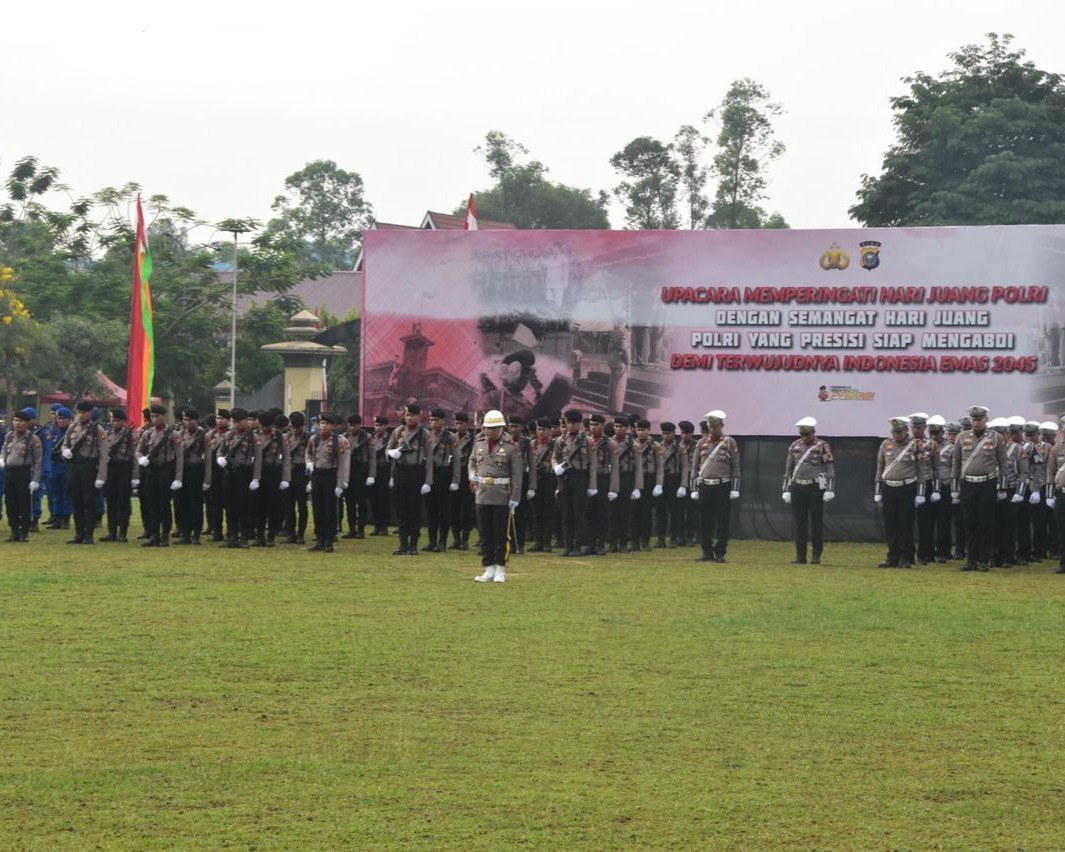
491,480
986,478
712,481
803,481
898,483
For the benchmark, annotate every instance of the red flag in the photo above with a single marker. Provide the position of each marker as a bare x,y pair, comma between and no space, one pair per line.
471,216
140,368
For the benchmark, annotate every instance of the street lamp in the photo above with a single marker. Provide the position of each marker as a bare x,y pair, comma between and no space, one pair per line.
236,227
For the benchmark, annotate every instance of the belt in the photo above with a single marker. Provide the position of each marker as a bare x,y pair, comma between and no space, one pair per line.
898,483
85,459
713,481
803,481
491,480
986,478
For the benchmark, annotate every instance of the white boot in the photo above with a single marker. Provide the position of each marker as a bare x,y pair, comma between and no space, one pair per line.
501,574
487,576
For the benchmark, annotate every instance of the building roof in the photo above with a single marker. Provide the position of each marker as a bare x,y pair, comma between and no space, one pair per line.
340,292
434,221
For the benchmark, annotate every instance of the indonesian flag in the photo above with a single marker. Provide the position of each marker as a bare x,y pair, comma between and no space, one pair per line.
471,216
140,368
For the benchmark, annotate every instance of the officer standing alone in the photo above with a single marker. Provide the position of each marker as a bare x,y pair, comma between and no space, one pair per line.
809,483
495,475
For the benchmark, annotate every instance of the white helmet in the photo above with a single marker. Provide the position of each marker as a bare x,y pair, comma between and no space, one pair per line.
494,418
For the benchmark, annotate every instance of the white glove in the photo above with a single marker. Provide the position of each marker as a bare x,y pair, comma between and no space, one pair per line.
559,470
877,498
592,492
955,497
454,486
1017,498
68,453
253,485
426,488
338,491
635,494
3,464
391,483
1035,498
513,504
1052,502
309,488
734,495
136,483
283,486
175,485
611,496
530,494
309,467
370,481
695,495
223,462
1001,495
207,486
35,485
918,500
395,453
682,492
99,483
830,496
936,497
143,461
786,496
656,491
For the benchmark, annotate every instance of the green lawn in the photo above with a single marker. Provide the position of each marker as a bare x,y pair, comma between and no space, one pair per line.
198,697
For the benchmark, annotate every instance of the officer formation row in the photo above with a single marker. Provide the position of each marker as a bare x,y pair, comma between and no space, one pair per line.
991,486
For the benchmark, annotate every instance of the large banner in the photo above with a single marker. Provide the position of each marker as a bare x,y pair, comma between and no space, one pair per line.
850,326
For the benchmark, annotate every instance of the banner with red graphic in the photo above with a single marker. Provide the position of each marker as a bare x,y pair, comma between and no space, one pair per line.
849,326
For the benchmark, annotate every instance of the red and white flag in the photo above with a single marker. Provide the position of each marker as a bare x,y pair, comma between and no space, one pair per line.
471,216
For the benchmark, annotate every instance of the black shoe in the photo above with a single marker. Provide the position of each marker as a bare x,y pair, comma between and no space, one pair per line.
328,548
589,551
360,534
151,542
218,537
12,539
721,558
941,559
431,548
88,539
816,560
887,563
300,540
33,528
706,558
798,561
399,551
163,542
983,566
905,564
270,542
412,550
350,534
143,535
77,540
316,547
536,548
599,551
122,539
111,536
661,543
183,540
969,566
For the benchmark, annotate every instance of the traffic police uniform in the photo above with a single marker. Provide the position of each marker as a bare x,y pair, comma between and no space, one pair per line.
1042,516
925,513
942,509
978,474
900,482
716,472
809,483
495,474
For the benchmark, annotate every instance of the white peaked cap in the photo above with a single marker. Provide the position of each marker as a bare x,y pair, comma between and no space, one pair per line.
1049,425
807,421
717,413
1015,420
918,415
937,420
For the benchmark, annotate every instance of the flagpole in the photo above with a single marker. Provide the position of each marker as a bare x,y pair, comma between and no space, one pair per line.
233,333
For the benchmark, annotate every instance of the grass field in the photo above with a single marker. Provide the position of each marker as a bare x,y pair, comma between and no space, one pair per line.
262,699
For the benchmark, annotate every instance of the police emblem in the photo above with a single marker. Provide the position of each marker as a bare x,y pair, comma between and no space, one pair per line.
835,258
870,258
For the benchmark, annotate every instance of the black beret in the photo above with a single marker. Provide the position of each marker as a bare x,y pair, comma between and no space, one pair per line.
326,417
573,416
280,421
297,418
621,420
147,412
266,418
633,419
254,413
118,414
666,426
643,424
556,421
687,427
210,421
83,405
223,412
158,409
239,414
462,417
381,420
516,420
192,413
545,422
597,418
274,410
354,420
438,413
413,408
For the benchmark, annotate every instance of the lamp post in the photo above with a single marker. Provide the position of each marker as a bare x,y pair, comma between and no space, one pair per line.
236,227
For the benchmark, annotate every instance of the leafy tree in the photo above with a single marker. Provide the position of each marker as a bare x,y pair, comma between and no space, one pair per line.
523,196
649,192
86,348
745,146
324,207
690,145
983,143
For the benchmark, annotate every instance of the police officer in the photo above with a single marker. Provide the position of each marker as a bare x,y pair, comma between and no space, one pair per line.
380,505
669,516
275,479
522,444
574,464
214,500
942,509
118,491
627,475
899,486
1008,512
541,487
445,481
1042,516
188,502
1055,493
463,506
650,460
84,448
925,513
809,483
717,484
361,479
295,498
495,474
161,466
978,473
239,460
329,465
22,458
411,453
599,506
60,505
691,508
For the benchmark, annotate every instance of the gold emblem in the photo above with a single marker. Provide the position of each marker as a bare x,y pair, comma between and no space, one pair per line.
835,258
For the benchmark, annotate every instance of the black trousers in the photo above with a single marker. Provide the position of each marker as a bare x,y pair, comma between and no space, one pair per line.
1004,546
407,494
295,501
215,503
573,509
1040,517
82,490
808,511
642,515
357,497
943,519
714,516
978,506
324,504
599,513
381,504
156,495
1023,527
898,522
1059,522
266,502
463,509
438,505
17,498
118,493
492,522
238,502
621,510
926,526
669,512
189,500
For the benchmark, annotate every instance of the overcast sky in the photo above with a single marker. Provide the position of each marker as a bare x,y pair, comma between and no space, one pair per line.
213,104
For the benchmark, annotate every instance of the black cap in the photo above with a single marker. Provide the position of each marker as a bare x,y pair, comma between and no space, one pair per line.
516,420
239,414
462,417
158,409
687,427
556,421
381,420
83,405
147,412
438,413
545,422
965,422
354,419
633,419
666,426
574,416
597,418
266,419
118,414
210,421
280,421
297,418
254,413
643,424
223,412
191,413
326,417
413,408
621,420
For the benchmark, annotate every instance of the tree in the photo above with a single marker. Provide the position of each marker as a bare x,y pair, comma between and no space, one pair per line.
324,207
86,348
649,192
745,147
523,196
690,145
983,143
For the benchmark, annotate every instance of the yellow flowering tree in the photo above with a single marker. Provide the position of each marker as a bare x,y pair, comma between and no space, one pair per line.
18,334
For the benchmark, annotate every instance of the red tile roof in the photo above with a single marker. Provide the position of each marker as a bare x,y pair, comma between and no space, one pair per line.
452,222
